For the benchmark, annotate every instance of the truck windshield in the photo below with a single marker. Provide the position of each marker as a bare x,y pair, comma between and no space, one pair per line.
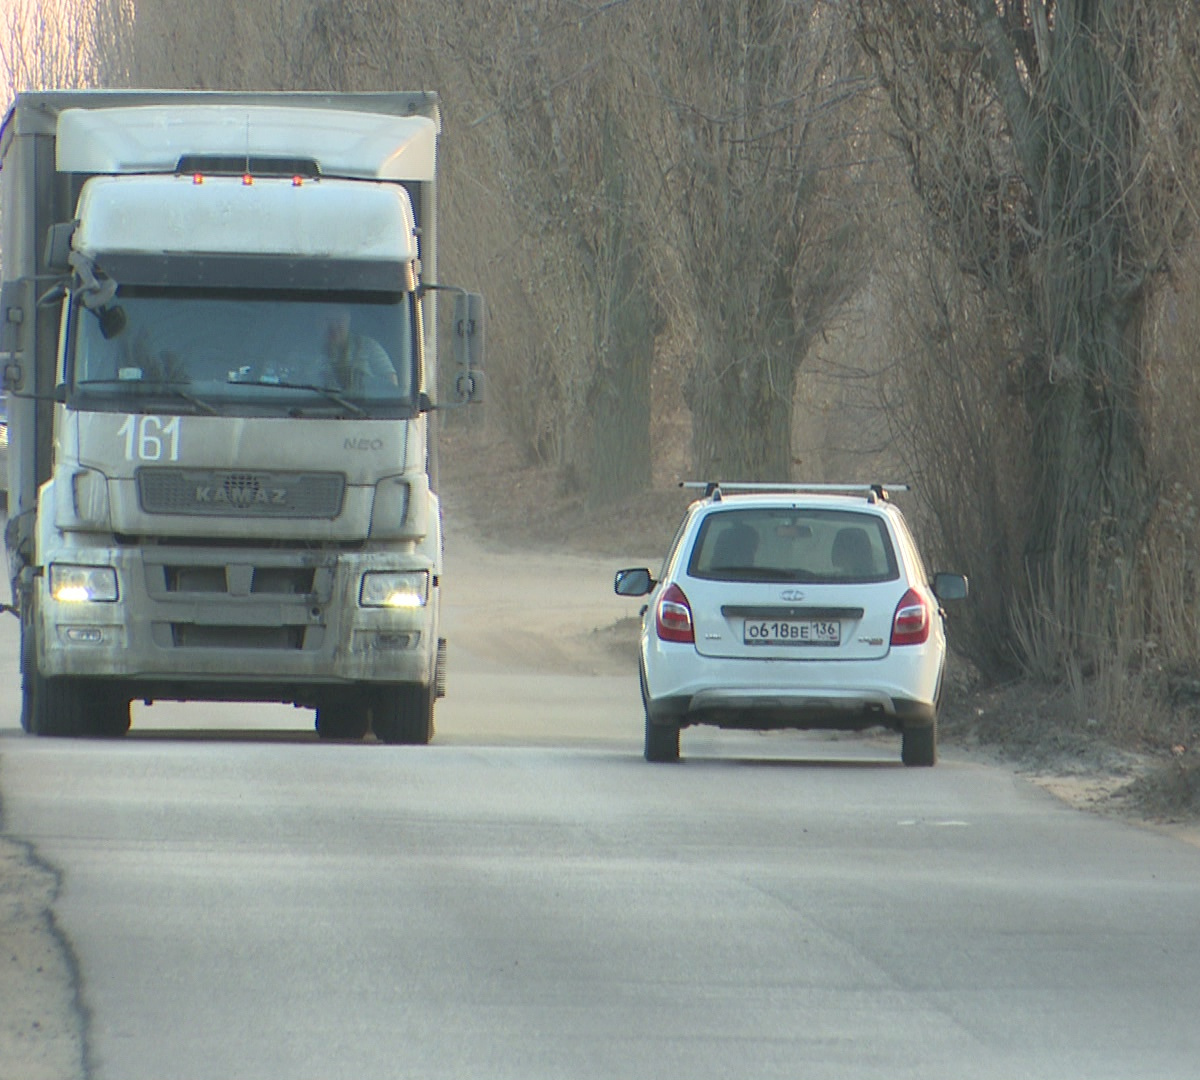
247,351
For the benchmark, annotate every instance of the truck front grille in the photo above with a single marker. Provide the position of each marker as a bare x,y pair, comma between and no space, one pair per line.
226,493
190,636
268,580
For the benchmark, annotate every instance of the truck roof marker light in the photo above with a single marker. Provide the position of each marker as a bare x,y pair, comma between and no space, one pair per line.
297,181
247,180
198,178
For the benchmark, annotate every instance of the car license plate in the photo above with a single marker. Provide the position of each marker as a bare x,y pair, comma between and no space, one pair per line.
792,632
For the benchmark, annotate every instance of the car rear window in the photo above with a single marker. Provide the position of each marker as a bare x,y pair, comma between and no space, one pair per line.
793,544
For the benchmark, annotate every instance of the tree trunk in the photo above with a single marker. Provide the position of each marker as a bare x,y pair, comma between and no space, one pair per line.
626,322
1092,500
742,414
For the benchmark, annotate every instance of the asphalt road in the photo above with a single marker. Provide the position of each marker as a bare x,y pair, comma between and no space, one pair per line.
527,898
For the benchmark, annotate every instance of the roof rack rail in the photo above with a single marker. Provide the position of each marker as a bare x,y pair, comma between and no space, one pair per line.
710,486
714,488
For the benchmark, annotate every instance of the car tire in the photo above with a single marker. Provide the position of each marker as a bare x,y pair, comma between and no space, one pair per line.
403,714
662,741
918,746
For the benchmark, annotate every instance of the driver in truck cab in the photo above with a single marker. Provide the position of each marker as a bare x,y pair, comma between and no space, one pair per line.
351,359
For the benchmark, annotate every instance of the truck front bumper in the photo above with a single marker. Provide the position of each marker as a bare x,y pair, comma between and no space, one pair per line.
246,617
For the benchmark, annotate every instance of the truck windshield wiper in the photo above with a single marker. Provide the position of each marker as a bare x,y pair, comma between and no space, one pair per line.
154,387
327,391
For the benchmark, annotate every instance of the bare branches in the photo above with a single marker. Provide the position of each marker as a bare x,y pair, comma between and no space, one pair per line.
50,43
1050,152
759,131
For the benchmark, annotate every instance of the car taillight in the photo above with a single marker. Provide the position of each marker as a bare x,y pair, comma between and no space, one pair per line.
910,624
673,616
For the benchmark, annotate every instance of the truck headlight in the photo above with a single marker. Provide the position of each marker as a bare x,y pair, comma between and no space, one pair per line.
395,589
83,584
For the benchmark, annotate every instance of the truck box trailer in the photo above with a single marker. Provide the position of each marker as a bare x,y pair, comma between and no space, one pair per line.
219,345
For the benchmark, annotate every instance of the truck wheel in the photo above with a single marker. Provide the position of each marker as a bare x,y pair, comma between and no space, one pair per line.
346,718
403,714
60,707
28,677
52,707
918,745
67,708
109,717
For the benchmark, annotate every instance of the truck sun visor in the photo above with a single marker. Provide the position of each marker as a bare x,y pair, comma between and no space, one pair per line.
257,271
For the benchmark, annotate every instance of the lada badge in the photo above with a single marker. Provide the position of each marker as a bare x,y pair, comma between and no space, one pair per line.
791,595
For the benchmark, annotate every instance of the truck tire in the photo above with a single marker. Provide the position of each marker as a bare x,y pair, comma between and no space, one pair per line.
50,707
403,714
28,674
59,707
108,717
65,707
345,718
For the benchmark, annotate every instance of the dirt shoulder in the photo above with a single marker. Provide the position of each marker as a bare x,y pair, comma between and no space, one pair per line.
1033,730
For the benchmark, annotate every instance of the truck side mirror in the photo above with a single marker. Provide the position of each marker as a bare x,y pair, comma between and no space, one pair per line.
58,247
14,297
469,332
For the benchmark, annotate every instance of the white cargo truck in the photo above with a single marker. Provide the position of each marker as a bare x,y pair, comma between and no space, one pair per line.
219,346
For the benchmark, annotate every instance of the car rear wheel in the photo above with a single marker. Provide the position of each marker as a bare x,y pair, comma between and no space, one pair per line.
662,740
918,745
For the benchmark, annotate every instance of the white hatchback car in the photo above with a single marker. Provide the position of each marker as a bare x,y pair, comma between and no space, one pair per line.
793,606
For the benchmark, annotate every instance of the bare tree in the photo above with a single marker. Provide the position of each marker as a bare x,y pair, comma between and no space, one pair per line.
576,123
761,162
51,43
1049,142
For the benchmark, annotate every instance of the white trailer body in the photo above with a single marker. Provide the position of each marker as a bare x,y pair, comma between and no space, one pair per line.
219,349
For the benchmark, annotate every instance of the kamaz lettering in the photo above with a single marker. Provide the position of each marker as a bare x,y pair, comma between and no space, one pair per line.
364,444
242,496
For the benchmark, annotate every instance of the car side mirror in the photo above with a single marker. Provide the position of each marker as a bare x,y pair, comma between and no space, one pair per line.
950,586
633,582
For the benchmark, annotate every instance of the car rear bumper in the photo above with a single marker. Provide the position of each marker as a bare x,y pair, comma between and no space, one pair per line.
896,690
760,710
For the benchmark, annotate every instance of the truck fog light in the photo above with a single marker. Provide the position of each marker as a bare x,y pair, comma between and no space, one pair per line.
84,635
395,589
83,584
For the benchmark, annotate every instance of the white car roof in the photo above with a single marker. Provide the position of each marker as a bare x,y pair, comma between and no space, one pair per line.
817,500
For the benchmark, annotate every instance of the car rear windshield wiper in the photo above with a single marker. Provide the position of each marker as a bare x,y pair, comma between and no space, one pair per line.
154,387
